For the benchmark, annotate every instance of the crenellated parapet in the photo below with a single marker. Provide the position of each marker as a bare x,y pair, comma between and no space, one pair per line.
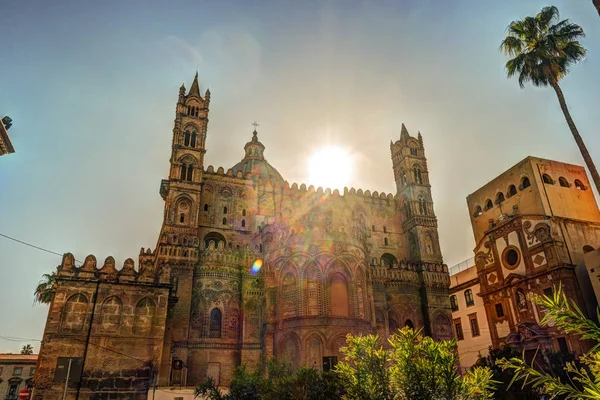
147,273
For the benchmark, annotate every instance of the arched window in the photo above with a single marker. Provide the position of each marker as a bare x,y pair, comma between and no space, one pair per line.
547,179
216,318
110,318
186,138
488,204
409,324
339,295
144,315
74,313
256,152
525,183
197,109
244,212
478,211
215,237
225,210
562,181
579,185
183,210
587,248
406,209
243,223
512,190
417,175
289,292
428,243
260,248
385,241
224,221
313,295
422,205
187,172
453,303
413,151
469,297
384,229
499,197
205,207
193,141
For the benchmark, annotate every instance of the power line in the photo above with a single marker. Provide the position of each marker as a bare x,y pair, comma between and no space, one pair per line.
34,246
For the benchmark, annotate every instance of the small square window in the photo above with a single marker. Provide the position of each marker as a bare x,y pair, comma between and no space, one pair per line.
32,371
17,371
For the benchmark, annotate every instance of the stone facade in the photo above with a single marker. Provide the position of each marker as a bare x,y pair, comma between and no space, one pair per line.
332,263
16,374
532,225
469,318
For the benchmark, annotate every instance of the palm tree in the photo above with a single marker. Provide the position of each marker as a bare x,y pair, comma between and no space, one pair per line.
44,291
27,349
544,49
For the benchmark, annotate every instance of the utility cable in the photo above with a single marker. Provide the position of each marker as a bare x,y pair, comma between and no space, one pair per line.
34,246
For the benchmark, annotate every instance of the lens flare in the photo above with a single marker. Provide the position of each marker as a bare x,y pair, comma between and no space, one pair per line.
256,266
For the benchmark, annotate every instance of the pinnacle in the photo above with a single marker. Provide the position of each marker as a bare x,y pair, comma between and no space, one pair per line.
404,132
195,89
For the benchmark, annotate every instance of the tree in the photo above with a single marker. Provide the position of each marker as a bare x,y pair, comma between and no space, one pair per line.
543,50
596,4
27,349
279,382
504,390
44,291
412,367
577,381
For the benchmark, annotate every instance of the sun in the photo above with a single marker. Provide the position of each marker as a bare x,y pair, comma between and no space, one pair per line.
330,167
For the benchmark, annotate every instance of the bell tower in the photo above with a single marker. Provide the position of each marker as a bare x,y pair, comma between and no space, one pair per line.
419,224
178,243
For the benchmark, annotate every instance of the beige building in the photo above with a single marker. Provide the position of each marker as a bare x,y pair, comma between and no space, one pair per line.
591,260
16,374
532,225
6,146
469,318
199,304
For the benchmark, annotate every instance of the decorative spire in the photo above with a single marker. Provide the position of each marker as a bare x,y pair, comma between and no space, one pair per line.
420,138
404,132
195,89
182,92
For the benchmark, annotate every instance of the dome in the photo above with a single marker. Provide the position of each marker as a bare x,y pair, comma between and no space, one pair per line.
254,162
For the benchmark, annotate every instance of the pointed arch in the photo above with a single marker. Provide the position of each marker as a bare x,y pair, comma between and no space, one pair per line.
74,313
110,314
144,316
338,292
417,174
216,323
289,294
314,354
512,190
313,291
289,350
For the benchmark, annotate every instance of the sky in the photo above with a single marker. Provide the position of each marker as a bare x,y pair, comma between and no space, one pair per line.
91,88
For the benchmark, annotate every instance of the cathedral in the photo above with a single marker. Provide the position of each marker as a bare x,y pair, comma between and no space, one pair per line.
247,267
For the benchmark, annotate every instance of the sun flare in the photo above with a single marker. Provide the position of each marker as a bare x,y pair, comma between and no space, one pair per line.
330,167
